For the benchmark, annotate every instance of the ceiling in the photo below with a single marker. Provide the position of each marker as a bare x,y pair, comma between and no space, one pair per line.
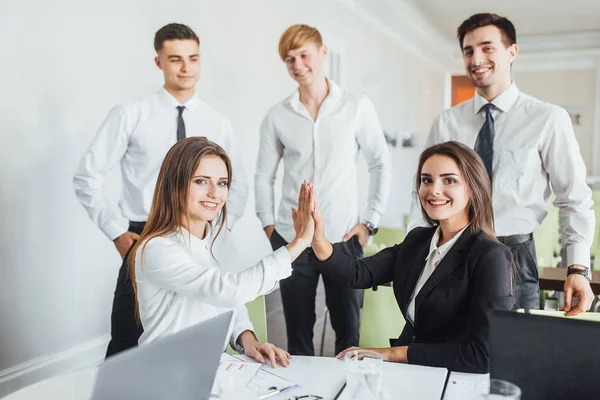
531,17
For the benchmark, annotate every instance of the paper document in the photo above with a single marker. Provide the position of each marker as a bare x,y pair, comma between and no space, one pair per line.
465,386
265,380
236,371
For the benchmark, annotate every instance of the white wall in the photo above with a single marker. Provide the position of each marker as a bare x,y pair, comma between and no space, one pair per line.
65,63
573,89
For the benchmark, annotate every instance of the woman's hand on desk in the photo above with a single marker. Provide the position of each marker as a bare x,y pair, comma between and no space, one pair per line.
263,351
393,354
304,225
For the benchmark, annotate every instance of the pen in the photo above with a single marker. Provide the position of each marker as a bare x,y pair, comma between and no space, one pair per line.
340,392
272,392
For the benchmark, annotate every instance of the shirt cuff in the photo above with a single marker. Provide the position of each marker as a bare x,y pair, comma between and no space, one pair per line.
114,230
372,216
238,329
578,253
266,219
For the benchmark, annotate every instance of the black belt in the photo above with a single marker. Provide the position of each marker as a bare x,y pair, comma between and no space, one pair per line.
137,225
515,239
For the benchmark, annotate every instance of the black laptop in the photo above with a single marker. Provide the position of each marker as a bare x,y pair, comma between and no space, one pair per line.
547,357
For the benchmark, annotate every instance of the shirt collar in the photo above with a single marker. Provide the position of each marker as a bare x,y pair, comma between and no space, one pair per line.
170,101
504,101
294,99
445,248
194,243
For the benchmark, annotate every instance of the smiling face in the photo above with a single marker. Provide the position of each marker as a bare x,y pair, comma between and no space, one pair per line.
305,64
443,193
180,62
488,60
208,189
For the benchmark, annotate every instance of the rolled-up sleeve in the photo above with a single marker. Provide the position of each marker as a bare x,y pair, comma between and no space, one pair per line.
371,140
238,194
104,153
269,155
563,162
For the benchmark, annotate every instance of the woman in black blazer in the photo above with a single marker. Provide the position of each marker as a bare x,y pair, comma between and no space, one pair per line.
446,277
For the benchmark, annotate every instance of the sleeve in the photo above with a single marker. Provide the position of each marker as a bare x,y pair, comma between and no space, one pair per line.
238,193
562,161
492,279
269,155
105,152
372,144
415,218
167,264
358,273
241,323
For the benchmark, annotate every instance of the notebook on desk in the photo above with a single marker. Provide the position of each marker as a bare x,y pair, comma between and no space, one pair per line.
179,366
547,357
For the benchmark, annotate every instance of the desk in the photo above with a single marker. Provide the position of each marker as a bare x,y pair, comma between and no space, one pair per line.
315,375
554,279
324,376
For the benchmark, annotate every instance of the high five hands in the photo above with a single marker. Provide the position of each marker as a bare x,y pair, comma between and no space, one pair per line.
308,222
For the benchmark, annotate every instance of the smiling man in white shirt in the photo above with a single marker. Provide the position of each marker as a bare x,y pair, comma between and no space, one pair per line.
318,131
530,151
137,135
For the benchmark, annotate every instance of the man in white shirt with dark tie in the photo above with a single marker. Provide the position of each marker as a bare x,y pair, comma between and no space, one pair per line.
137,135
318,131
530,151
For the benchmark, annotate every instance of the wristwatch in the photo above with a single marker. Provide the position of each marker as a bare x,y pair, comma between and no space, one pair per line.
585,272
370,227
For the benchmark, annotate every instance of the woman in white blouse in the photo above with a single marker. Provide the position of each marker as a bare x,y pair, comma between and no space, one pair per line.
178,282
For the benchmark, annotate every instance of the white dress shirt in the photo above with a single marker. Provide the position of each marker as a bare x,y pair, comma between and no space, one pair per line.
324,151
435,256
138,135
180,284
535,153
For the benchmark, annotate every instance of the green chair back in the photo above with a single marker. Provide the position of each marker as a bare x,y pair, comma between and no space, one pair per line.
381,318
596,248
372,248
258,316
547,239
389,236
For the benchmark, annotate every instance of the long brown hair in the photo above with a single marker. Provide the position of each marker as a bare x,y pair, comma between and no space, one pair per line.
481,214
169,204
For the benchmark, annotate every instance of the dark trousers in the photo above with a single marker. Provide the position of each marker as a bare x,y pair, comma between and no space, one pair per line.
125,330
526,285
298,294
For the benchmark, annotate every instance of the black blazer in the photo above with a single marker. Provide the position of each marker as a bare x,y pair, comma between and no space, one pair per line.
451,309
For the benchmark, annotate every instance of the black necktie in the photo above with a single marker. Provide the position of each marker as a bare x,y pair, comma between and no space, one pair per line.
484,146
180,124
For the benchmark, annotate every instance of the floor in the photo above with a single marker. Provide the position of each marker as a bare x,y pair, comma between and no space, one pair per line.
276,323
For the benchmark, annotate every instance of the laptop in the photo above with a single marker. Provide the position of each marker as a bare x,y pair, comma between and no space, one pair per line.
179,366
547,357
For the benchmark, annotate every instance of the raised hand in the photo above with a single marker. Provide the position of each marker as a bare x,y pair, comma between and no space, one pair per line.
304,224
319,235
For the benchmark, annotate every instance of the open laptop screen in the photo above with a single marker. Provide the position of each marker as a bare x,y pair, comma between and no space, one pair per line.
547,357
178,366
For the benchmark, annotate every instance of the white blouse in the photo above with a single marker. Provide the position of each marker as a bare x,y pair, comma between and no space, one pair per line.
436,254
180,284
